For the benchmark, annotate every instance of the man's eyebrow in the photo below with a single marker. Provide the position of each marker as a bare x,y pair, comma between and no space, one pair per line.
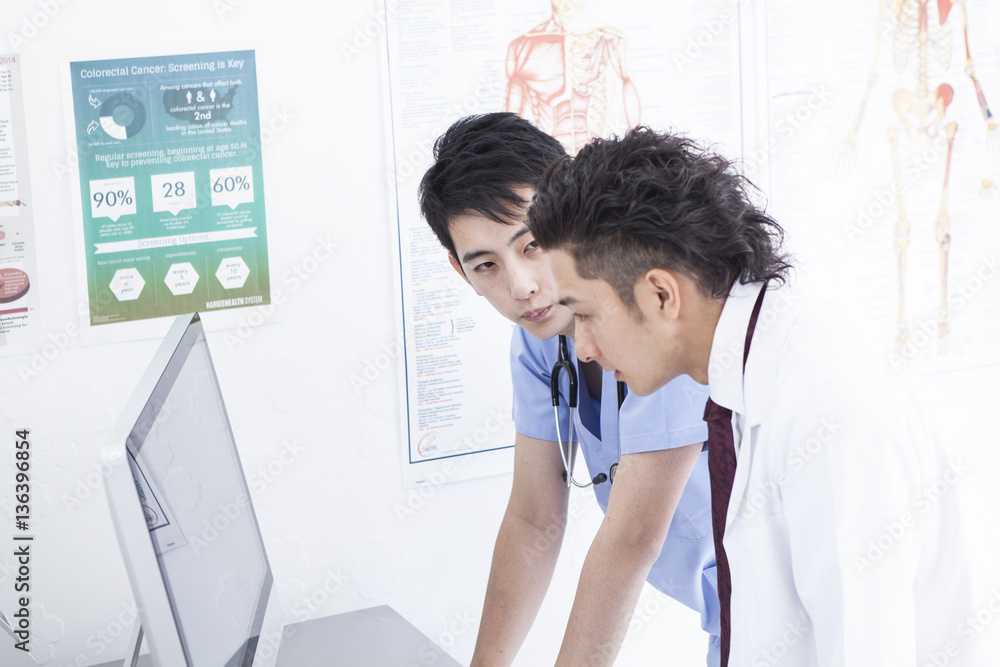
518,234
567,301
473,254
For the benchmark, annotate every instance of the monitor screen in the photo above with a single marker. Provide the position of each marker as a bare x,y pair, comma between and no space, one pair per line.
193,494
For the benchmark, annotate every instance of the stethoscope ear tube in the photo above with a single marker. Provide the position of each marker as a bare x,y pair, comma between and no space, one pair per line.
563,363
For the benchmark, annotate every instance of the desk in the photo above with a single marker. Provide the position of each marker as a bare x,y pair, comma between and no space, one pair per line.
375,637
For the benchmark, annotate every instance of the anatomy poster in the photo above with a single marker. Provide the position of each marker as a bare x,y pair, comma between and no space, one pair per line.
18,273
577,70
885,163
171,185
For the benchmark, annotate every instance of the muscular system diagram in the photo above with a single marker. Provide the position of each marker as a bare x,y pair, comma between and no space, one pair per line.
568,76
922,32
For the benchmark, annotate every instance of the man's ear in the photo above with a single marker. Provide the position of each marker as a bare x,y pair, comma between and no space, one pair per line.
458,267
665,286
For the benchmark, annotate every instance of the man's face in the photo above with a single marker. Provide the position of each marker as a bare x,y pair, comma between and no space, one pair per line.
639,351
504,264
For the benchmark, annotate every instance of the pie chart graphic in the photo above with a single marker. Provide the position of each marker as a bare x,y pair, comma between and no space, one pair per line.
122,116
13,285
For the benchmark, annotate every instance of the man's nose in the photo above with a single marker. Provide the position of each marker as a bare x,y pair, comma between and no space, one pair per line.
584,344
523,283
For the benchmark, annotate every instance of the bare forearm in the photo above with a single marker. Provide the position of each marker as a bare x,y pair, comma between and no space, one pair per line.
523,561
610,583
640,509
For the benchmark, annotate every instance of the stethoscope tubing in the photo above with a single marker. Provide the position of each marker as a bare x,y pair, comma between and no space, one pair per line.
564,363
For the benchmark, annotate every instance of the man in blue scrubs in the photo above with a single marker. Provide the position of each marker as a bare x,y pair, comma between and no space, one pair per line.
655,494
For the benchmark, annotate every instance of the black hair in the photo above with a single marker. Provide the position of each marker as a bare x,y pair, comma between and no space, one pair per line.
478,162
648,200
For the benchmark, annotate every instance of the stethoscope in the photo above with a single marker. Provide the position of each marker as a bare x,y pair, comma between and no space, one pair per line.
564,363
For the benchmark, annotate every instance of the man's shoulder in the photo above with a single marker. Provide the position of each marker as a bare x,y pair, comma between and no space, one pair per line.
847,385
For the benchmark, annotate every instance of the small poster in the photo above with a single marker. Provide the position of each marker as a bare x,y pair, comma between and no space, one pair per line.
18,273
164,532
171,185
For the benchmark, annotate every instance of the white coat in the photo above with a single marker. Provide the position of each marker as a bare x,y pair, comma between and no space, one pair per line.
844,536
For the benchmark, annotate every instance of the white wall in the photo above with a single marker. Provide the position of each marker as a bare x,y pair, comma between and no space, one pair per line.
331,507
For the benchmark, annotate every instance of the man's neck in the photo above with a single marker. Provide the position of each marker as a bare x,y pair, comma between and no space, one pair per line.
702,334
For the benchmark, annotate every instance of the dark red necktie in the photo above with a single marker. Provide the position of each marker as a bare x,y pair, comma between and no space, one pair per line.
722,472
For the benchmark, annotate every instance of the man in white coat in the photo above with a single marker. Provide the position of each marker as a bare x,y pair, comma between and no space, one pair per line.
835,511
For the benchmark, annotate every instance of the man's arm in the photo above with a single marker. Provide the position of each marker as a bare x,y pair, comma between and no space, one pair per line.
630,95
516,97
525,553
643,498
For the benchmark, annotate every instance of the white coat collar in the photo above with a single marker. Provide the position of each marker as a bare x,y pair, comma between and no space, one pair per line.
725,363
726,378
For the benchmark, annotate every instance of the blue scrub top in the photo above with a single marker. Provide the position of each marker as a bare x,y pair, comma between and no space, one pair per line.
671,417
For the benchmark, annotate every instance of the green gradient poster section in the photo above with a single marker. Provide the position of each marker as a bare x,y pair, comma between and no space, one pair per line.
171,183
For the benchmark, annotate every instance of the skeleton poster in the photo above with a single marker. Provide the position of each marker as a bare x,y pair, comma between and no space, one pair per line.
884,164
577,70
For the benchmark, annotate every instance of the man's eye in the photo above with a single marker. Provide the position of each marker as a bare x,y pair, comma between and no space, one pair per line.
485,266
533,245
580,316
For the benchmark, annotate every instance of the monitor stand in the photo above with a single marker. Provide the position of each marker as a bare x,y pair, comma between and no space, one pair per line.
134,644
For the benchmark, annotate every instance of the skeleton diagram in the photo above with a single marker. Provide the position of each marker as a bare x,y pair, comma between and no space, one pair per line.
562,76
921,48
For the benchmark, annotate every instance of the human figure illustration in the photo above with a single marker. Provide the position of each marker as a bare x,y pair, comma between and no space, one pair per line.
922,57
568,76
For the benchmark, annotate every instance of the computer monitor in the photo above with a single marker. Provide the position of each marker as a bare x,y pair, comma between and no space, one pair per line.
182,512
